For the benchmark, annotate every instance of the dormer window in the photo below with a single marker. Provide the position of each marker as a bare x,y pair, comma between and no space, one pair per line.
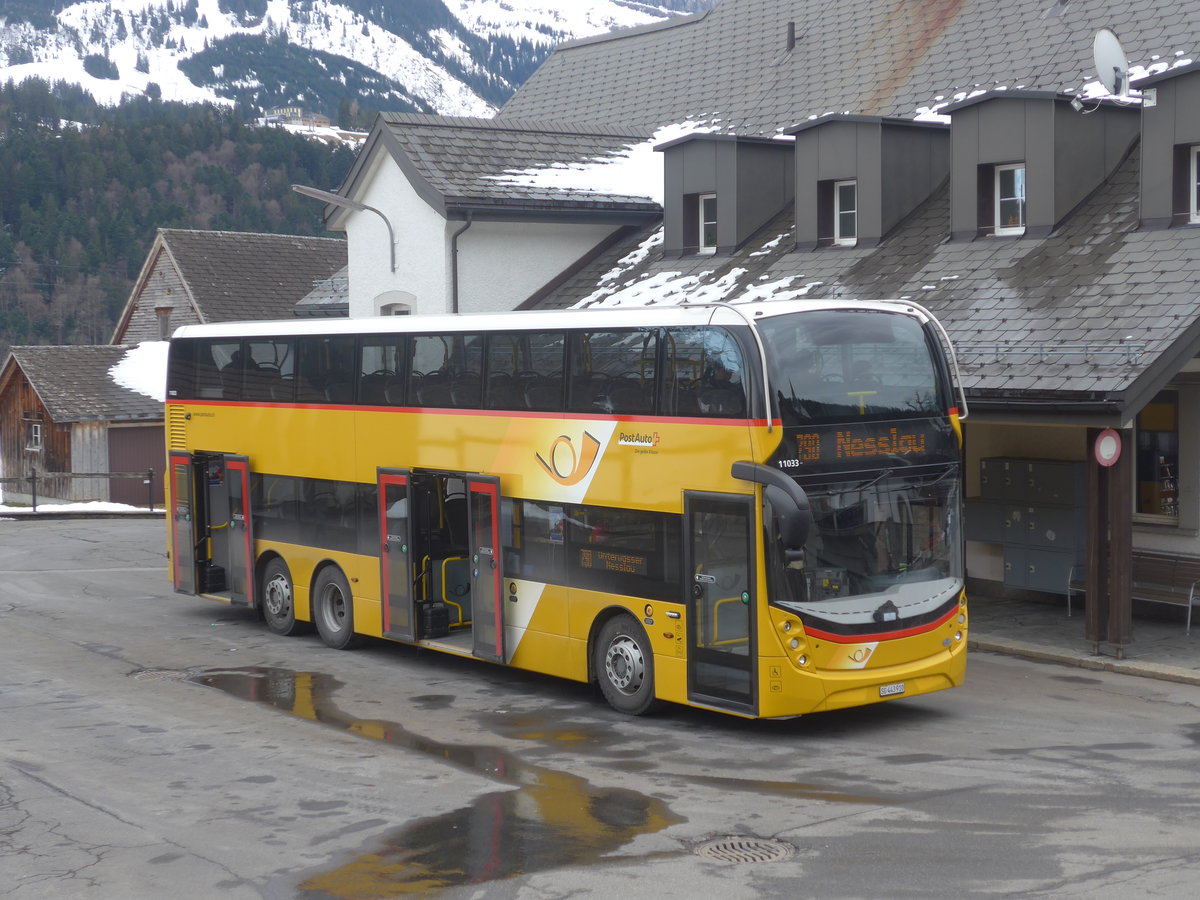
706,220
845,213
1010,199
1194,185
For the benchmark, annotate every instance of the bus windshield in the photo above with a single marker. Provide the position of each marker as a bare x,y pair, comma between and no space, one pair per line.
839,365
882,549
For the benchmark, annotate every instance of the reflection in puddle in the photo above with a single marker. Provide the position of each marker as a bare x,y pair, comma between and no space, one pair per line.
554,820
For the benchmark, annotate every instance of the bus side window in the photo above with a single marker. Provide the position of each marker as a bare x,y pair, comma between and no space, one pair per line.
381,370
614,371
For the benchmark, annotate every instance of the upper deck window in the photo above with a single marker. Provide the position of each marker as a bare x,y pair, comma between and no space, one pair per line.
833,366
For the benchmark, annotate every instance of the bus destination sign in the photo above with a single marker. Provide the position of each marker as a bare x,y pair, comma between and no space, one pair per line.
917,441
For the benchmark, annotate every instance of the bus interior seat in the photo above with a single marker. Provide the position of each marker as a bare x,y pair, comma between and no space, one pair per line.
339,390
454,510
466,390
373,388
545,394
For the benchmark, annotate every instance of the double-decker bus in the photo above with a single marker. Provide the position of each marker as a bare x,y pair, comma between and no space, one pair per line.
750,508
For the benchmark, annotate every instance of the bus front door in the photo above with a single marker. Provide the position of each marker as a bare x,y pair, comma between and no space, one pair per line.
487,599
183,524
719,560
395,509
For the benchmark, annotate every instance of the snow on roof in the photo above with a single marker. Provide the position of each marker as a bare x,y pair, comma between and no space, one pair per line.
144,369
636,171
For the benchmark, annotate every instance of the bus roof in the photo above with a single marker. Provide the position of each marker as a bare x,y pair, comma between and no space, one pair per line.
535,320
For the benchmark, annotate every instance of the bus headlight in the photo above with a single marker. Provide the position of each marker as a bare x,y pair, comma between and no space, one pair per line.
958,635
802,660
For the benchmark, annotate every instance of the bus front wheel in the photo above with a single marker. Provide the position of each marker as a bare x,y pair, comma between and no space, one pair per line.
333,609
624,663
278,604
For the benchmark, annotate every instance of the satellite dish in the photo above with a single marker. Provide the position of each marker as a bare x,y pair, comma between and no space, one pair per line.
1112,66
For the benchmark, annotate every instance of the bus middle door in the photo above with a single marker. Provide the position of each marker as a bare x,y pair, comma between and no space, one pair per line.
487,598
396,571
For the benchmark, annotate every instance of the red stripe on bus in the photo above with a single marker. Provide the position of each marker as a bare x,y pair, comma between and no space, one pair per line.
497,413
880,636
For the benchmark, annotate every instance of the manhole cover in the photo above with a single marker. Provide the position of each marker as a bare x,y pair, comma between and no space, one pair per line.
737,848
161,674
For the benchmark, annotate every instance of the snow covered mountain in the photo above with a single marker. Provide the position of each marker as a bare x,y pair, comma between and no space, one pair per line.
456,57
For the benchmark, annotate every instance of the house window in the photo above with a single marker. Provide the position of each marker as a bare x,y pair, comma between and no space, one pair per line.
35,436
1010,199
1194,186
707,222
845,213
1157,460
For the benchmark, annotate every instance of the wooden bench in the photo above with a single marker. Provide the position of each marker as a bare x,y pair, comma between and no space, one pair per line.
1157,578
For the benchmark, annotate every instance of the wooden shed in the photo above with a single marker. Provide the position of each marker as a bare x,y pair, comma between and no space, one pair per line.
62,412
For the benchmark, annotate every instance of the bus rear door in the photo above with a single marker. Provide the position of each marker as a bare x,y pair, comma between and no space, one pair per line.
722,652
183,524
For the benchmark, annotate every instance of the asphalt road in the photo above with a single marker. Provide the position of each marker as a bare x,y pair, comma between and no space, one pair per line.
157,746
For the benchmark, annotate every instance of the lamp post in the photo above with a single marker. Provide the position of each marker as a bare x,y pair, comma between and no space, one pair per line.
347,203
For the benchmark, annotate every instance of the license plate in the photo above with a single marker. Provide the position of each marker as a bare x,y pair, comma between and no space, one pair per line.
891,690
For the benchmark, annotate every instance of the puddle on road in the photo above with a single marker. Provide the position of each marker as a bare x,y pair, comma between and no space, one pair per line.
553,820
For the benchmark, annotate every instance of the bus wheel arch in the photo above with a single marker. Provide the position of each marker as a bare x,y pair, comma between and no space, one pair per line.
277,595
332,607
621,660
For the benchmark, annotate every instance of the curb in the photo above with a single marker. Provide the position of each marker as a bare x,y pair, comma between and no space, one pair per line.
1157,671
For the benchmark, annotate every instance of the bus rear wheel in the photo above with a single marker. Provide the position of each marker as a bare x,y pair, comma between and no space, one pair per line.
624,663
278,604
333,609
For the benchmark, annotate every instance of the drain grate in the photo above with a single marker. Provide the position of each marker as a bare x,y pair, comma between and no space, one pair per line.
161,674
739,848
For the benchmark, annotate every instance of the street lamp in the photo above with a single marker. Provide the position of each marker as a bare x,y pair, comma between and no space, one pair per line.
347,203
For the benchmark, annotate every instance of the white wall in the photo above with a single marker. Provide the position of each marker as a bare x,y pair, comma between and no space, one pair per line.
501,263
420,245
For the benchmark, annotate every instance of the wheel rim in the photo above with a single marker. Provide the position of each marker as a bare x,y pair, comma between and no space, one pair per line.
278,597
333,607
625,665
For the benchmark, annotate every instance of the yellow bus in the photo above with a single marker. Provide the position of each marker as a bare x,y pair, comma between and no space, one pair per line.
750,508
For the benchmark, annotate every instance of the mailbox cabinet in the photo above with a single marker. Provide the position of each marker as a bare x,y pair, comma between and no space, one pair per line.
1035,509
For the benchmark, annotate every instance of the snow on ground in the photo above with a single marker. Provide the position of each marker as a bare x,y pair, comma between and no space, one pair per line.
91,506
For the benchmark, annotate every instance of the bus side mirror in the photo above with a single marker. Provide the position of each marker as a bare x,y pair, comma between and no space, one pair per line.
792,521
789,503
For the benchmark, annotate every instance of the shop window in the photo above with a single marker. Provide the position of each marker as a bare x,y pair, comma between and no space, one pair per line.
1010,199
1158,457
845,213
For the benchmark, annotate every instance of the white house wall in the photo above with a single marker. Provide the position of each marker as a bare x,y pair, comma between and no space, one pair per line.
420,254
500,264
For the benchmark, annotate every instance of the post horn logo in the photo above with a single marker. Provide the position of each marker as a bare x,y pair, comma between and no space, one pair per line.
566,465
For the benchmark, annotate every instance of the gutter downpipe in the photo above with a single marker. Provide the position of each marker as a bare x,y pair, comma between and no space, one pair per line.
454,262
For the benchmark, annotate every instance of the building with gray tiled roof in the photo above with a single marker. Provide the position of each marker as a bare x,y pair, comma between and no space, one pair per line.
959,154
64,413
192,277
738,65
468,228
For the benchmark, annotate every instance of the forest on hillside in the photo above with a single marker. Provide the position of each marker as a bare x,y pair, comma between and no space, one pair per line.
83,189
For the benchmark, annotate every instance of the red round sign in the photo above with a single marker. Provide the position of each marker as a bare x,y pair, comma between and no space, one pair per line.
1107,447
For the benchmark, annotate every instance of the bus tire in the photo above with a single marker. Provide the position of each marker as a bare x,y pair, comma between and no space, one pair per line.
333,609
624,663
278,599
